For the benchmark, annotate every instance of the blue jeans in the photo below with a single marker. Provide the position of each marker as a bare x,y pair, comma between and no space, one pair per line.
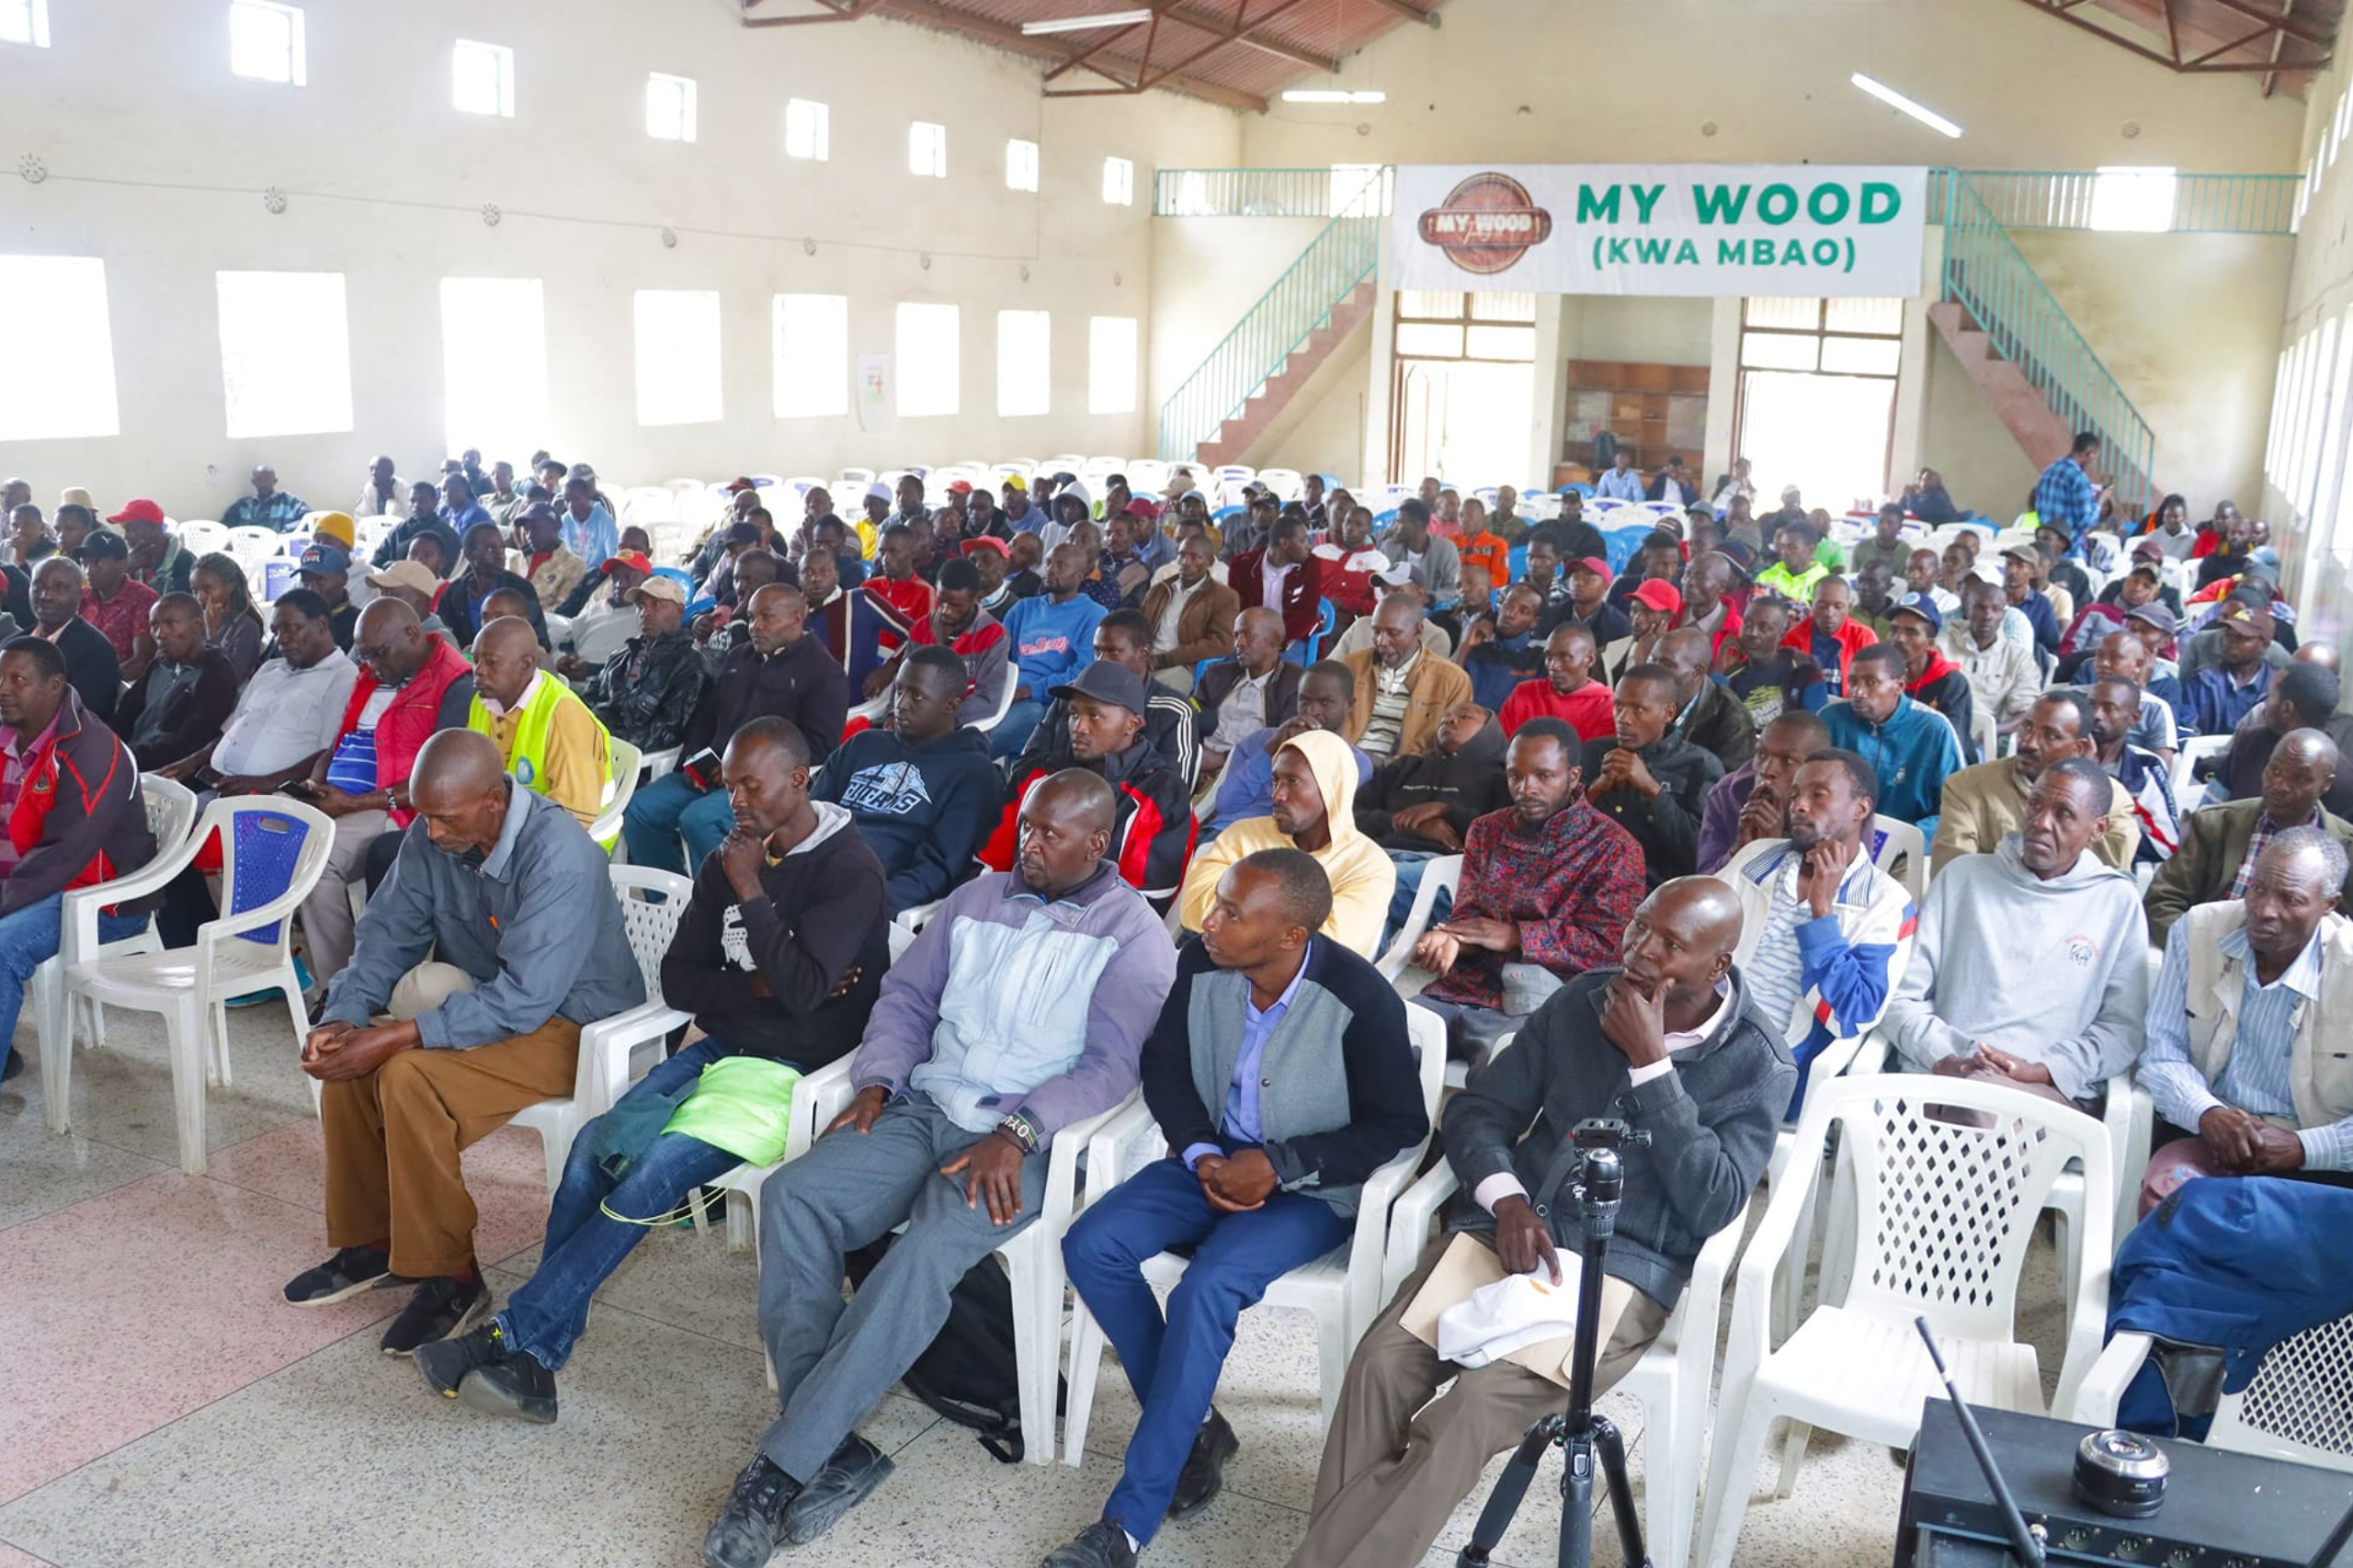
1174,1365
1011,737
584,1244
29,939
667,807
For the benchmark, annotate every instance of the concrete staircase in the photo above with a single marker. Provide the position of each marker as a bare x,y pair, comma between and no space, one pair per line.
2040,433
1235,436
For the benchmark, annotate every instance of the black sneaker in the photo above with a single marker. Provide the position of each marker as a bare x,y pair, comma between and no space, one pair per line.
340,1278
1204,1473
15,1064
855,1469
1103,1544
487,1374
751,1525
441,1308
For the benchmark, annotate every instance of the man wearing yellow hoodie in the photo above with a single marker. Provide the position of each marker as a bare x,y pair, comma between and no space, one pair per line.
1315,790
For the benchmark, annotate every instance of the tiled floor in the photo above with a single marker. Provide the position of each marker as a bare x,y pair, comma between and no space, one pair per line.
160,1406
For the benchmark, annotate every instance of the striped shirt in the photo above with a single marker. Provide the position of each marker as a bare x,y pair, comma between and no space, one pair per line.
2265,828
1776,971
2257,1077
1392,694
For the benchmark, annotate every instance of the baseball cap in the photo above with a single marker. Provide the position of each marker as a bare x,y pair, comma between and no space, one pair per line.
1595,564
325,559
2156,614
1015,481
659,588
104,544
1107,682
1145,509
1923,605
413,574
741,482
961,487
1660,595
2149,569
2025,553
1396,574
539,511
141,511
987,543
635,560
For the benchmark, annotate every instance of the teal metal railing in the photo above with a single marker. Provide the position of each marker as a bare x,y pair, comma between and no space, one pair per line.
1986,273
1303,298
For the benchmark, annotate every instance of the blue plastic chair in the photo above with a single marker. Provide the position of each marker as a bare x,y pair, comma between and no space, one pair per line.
1519,556
1623,543
1303,651
678,574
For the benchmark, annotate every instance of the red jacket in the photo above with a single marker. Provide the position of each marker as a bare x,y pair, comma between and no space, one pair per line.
1153,840
80,817
409,722
1852,638
1303,605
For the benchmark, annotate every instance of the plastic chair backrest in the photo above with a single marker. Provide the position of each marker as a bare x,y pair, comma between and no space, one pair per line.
2299,1405
1622,542
266,846
648,922
171,811
1893,841
1427,1032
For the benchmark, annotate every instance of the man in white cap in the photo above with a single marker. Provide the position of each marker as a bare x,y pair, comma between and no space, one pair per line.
412,583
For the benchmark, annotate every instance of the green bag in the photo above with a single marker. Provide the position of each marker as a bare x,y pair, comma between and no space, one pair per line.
741,1104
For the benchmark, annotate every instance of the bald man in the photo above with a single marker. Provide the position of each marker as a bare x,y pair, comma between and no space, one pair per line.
1664,1041
2219,844
547,737
418,1058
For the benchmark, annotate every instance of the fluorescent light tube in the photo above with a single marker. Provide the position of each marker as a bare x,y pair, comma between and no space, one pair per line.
1085,24
1331,96
1903,105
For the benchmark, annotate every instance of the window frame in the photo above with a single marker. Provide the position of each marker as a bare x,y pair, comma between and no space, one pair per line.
298,69
36,14
926,136
499,55
818,117
685,95
86,276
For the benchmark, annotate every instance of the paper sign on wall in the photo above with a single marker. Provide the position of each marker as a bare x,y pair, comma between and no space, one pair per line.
875,412
1808,230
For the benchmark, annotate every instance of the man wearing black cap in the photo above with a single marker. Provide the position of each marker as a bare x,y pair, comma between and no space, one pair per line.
325,570
1154,838
1914,624
115,604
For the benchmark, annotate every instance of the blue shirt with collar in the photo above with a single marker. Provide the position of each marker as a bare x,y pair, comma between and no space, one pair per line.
1242,1124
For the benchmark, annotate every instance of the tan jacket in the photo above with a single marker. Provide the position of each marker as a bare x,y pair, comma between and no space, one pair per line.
2320,1071
1985,803
556,577
2213,843
1432,686
1204,626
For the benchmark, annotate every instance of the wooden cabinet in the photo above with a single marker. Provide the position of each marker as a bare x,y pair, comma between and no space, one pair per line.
1656,411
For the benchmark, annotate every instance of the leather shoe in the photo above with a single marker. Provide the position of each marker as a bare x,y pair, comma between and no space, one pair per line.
1204,1473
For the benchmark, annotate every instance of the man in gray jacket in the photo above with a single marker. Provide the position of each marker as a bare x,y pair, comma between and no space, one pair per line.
2030,966
1667,1043
1019,1010
494,939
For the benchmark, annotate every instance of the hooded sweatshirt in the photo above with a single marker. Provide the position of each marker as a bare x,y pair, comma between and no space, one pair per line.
2054,972
1363,876
1470,784
924,809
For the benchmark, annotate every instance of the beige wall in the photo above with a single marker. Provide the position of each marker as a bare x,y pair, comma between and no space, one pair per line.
1640,331
1962,438
1206,274
385,183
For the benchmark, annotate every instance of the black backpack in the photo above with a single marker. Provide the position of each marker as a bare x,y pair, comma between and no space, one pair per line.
968,1371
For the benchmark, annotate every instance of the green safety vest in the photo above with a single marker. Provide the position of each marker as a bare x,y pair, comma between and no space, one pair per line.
528,763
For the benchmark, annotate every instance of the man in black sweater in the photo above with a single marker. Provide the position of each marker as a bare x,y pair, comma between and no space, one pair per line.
781,950
1423,805
1649,779
1281,1078
1665,1043
923,793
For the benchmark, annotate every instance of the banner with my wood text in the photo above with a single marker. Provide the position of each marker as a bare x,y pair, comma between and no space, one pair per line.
1690,229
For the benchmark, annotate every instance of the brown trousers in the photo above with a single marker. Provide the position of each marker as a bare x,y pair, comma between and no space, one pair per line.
1397,1462
394,1136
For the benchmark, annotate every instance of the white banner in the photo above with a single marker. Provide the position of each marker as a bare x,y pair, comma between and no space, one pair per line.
1689,228
875,414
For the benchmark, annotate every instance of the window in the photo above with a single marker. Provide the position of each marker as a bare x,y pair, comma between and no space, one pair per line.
1464,381
1111,365
54,316
1815,401
266,41
670,107
1361,190
2133,200
483,78
1020,165
2315,419
2328,509
25,21
928,149
1119,182
809,350
807,130
1024,362
285,353
494,365
678,357
929,368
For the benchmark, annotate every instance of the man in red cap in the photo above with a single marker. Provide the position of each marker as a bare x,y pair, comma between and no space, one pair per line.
1655,608
157,559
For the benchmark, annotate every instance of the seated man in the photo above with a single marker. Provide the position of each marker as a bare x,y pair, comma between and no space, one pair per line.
1649,779
1021,1009
1153,834
188,693
1511,653
1246,785
1190,614
1770,677
546,737
462,604
548,566
2031,966
646,693
1124,637
288,715
1402,688
1419,807
2142,775
1566,690
780,952
1547,887
2123,655
2303,697
922,791
1824,931
1668,1043
1912,749
1929,678
2223,693
1053,635
1984,804
957,622
2219,845
92,667
1752,801
2002,677
2251,989
783,672
76,815
606,619
513,905
1313,810
410,685
1711,717
1257,689
1281,1076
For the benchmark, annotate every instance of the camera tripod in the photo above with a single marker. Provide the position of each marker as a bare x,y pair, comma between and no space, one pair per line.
1599,1186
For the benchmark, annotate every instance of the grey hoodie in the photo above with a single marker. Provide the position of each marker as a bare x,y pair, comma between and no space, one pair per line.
2055,973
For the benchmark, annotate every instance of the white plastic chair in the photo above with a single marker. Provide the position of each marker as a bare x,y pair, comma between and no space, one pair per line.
273,852
608,1046
1342,1289
2295,1409
1946,1213
1443,874
2186,791
653,765
648,505
1893,841
171,815
201,537
624,758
